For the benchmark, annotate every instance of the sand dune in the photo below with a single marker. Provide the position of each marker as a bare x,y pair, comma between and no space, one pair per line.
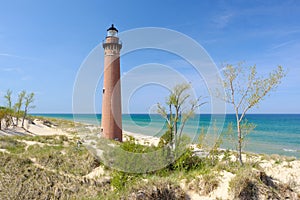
283,171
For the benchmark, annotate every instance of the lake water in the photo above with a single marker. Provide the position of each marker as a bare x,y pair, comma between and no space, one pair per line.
274,133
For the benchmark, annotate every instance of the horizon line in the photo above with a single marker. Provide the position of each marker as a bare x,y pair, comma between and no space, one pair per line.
159,114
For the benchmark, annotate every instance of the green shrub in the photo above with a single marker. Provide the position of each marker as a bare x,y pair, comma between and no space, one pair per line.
129,156
131,145
187,162
120,180
165,138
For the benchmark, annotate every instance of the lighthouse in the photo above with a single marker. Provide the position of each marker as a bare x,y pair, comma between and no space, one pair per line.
111,122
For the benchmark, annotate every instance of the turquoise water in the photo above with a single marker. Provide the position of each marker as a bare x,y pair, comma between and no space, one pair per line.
274,133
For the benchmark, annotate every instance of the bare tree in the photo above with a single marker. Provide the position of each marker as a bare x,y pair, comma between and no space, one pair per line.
244,90
28,101
18,105
178,111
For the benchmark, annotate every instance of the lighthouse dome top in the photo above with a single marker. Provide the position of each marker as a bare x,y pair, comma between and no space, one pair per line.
112,31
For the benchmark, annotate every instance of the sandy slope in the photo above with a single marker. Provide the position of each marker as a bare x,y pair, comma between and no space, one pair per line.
285,172
38,128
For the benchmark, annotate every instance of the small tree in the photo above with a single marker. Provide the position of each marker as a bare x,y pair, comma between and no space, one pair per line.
8,98
244,90
9,119
18,105
28,101
177,112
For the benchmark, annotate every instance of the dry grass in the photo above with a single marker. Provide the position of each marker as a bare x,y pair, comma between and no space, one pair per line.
156,189
52,171
22,179
204,184
255,184
11,145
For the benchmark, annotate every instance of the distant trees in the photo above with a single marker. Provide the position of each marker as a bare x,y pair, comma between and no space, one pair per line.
11,114
244,90
177,112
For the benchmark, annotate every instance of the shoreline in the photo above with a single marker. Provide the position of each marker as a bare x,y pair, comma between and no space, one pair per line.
256,147
39,129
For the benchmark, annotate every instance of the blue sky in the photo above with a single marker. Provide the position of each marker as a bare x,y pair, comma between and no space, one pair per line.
43,44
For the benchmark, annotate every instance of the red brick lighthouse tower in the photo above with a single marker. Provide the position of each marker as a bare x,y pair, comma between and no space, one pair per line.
111,124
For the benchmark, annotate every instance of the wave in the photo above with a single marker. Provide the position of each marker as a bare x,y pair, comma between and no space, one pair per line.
291,150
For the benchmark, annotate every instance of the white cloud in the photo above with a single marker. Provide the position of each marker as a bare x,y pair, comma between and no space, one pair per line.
224,19
12,69
26,78
281,32
16,56
283,44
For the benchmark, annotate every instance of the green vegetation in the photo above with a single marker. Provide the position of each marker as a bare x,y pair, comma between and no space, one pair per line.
179,108
129,156
164,181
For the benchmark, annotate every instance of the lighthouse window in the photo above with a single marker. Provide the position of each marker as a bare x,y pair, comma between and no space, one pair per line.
103,90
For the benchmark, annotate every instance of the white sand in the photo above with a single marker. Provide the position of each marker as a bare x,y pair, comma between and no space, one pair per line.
97,172
4,151
38,128
285,172
222,190
142,139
